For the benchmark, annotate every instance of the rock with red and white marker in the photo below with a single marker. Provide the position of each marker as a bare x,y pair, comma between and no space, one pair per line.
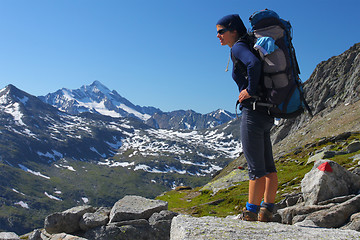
326,180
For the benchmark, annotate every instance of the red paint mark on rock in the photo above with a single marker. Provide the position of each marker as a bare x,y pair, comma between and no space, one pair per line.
325,167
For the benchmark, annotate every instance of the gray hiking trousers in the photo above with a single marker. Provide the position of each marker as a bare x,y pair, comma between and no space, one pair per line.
256,144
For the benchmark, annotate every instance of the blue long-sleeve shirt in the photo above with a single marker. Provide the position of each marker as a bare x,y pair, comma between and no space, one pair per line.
248,75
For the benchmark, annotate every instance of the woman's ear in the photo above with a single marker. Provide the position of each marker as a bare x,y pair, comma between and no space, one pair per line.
234,34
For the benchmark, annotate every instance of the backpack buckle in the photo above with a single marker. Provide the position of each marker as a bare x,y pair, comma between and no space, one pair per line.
254,105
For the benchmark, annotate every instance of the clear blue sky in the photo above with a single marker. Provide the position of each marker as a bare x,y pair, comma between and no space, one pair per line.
154,53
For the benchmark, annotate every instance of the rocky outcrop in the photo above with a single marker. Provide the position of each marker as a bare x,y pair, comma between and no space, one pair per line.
132,217
67,221
327,180
330,198
335,81
334,217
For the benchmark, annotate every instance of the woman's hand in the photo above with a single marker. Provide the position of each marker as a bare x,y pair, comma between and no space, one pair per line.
244,95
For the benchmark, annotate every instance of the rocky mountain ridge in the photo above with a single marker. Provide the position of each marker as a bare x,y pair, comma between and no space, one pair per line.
49,135
97,98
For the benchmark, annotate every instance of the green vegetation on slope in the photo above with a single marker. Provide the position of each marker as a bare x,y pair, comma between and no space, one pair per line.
291,169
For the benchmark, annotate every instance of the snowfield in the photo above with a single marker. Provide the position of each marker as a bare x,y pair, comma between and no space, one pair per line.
32,172
213,140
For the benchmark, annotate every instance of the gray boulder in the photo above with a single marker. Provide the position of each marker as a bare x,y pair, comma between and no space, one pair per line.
135,223
138,229
37,234
126,232
289,200
354,223
320,155
8,236
161,224
357,171
337,215
337,199
164,215
67,221
92,220
288,214
332,181
64,236
135,207
353,147
134,217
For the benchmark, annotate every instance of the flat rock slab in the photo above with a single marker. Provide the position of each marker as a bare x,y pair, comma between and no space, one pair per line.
8,236
135,207
185,227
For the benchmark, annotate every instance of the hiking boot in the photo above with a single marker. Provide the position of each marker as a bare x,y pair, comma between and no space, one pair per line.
248,215
264,215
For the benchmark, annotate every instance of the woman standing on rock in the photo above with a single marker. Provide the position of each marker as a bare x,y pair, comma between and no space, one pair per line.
255,124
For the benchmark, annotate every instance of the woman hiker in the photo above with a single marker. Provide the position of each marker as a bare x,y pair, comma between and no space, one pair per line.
255,124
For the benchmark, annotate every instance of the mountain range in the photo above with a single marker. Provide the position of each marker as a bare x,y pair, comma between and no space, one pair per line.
43,133
51,159
97,98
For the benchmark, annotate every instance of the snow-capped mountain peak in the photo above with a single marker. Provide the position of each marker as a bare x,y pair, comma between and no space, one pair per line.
97,86
95,98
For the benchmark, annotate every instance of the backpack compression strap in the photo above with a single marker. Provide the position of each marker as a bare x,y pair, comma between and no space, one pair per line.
255,104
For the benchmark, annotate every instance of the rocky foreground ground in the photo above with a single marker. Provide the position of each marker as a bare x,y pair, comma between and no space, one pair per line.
185,227
191,228
328,207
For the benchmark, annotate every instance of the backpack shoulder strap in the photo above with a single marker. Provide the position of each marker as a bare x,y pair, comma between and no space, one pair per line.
249,40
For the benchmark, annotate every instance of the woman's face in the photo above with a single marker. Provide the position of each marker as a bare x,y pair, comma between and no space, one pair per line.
225,36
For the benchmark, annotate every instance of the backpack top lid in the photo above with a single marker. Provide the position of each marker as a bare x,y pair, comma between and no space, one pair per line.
265,18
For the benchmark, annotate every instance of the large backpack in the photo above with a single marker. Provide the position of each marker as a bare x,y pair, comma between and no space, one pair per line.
281,88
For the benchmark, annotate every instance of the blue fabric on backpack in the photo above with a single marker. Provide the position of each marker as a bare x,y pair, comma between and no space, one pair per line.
266,45
295,102
257,16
